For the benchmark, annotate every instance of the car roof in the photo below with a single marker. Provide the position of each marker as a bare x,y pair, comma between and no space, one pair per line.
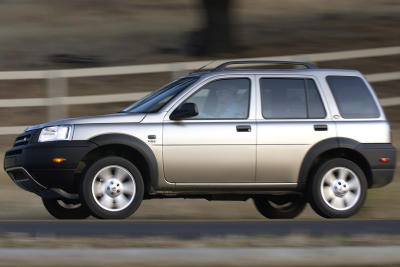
306,70
314,72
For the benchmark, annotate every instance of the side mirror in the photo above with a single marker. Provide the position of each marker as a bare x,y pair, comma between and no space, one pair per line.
185,110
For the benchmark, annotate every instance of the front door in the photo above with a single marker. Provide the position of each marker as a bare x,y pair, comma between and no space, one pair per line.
219,144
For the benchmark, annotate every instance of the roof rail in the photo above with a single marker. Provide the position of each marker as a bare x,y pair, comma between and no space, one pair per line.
276,62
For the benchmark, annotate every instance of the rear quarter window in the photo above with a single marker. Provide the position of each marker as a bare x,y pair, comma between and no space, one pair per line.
353,97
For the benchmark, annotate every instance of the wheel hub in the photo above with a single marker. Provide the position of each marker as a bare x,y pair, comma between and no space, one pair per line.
113,187
340,187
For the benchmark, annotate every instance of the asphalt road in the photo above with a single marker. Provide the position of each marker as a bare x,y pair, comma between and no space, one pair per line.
192,229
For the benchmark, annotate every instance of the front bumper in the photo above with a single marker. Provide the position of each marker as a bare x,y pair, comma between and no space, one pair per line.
32,168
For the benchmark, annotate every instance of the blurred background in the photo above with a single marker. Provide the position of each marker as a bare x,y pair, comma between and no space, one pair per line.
48,34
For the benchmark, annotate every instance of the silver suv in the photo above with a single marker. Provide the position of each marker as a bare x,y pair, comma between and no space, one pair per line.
282,137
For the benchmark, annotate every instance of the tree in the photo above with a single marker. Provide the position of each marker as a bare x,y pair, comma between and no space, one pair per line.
216,35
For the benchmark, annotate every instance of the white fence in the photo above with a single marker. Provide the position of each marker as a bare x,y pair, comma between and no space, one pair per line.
57,80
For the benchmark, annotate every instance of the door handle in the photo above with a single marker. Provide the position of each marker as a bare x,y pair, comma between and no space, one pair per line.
320,127
243,128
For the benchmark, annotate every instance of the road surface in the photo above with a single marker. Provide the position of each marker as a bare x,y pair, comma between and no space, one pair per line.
193,229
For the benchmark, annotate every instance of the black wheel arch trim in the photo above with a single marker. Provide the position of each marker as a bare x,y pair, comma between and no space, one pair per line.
367,152
311,155
134,143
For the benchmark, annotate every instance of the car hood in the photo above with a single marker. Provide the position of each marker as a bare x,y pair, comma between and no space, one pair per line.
110,118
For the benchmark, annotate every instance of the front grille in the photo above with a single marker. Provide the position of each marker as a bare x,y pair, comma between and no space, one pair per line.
26,138
22,140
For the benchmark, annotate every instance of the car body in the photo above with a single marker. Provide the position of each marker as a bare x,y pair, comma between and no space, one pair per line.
268,140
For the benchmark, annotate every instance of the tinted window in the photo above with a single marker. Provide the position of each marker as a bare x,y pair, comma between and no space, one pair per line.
353,97
289,99
283,98
223,99
316,107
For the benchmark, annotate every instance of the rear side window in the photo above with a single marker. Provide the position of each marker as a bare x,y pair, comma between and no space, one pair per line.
290,99
353,97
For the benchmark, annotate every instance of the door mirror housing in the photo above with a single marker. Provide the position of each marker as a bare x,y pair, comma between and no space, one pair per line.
186,110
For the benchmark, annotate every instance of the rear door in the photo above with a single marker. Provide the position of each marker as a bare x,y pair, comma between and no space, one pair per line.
292,118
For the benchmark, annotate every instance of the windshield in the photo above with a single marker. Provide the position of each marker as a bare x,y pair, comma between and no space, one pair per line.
159,98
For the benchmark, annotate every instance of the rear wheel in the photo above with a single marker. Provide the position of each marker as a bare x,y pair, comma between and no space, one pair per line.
112,188
338,189
66,208
280,207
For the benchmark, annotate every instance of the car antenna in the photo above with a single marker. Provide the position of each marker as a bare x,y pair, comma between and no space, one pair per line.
212,61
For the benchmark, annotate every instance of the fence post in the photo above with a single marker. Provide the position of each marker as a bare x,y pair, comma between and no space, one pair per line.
57,89
178,70
301,58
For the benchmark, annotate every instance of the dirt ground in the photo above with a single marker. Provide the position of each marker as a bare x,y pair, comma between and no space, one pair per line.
126,32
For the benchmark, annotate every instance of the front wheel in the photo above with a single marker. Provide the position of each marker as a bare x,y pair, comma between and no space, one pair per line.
66,209
338,189
112,188
280,207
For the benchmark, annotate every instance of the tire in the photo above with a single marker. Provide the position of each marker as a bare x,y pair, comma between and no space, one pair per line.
280,207
112,188
338,189
66,209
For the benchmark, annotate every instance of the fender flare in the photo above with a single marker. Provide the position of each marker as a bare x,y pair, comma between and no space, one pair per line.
320,148
134,143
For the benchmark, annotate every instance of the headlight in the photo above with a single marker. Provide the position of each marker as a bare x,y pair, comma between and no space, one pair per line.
56,133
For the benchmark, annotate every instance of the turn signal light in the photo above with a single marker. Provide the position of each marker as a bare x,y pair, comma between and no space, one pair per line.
384,160
59,160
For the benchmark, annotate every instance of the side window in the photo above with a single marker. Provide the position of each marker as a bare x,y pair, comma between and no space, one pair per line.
223,99
316,107
353,97
290,99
